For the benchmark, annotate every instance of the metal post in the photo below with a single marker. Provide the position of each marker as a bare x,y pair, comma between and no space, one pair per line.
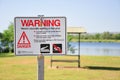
40,60
79,51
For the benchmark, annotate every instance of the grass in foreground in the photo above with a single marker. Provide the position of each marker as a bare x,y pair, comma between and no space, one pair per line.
94,68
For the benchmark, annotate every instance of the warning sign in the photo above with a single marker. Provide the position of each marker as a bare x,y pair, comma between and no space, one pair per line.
23,41
40,35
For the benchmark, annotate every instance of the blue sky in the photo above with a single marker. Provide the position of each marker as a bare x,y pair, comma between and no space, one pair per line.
94,15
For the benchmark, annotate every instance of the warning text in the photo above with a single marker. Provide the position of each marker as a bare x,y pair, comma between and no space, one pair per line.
40,23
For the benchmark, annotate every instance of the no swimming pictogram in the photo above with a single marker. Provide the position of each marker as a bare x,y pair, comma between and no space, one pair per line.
23,41
57,48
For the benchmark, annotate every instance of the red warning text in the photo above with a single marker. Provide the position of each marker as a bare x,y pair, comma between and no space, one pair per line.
39,23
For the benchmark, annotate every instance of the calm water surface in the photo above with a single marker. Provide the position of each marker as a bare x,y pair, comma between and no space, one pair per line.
96,48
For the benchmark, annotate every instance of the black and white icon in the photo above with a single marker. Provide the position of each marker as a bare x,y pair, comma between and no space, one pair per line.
57,48
45,48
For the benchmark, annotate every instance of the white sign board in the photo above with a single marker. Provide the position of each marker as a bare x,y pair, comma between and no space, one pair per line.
40,35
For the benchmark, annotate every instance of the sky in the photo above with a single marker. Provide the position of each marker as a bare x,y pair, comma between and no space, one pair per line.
93,15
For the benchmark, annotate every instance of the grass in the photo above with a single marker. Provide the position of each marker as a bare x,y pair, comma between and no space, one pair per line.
93,68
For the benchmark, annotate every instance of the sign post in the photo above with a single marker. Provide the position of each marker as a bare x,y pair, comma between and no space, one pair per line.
40,60
40,36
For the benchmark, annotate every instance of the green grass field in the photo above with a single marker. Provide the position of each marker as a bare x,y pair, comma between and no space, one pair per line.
93,68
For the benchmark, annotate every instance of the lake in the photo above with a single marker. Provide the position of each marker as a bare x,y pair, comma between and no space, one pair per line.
95,48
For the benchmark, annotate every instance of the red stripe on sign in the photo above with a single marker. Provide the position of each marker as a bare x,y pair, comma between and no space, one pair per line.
57,48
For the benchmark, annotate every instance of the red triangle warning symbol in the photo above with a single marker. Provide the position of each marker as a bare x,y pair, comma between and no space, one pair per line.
23,41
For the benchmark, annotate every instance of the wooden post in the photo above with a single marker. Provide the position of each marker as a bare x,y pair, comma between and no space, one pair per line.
51,62
79,51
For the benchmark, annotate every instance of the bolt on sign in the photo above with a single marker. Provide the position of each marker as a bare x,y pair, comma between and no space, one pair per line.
40,35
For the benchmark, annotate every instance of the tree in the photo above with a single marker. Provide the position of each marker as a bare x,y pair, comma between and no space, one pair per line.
70,48
0,36
106,35
0,42
117,36
69,37
8,37
97,36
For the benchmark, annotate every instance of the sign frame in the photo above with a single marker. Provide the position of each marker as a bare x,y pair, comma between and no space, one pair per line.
36,54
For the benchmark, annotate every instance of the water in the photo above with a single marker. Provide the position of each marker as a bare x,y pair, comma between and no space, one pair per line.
95,48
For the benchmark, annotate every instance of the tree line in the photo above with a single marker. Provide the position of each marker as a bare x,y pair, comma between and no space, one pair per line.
104,35
96,36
